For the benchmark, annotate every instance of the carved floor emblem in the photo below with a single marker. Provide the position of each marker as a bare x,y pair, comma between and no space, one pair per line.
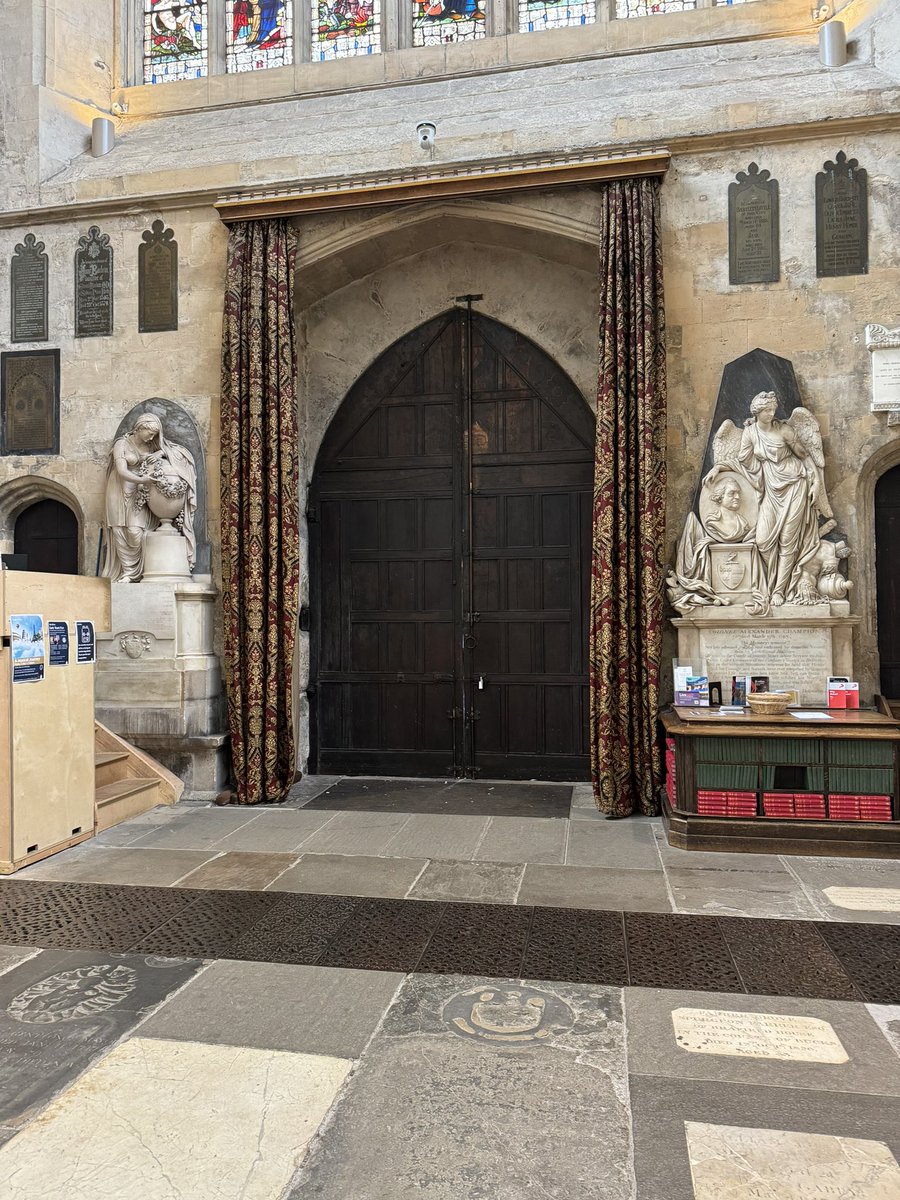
83,992
508,1015
731,572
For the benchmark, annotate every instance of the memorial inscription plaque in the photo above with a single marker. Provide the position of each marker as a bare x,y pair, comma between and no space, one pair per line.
842,218
94,285
884,346
29,402
753,254
29,275
757,1035
158,280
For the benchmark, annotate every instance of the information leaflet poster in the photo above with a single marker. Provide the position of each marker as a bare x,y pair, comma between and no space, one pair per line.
28,650
58,637
85,644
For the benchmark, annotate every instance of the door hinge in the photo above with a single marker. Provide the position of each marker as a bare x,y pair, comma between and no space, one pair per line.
453,714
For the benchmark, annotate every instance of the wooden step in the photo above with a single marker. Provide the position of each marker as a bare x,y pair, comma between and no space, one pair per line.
109,766
123,798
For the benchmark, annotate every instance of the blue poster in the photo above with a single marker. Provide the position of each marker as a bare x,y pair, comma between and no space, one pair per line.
28,652
84,642
58,637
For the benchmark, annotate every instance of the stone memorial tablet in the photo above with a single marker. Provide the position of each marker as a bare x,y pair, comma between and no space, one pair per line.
884,346
864,899
842,218
774,1164
753,254
757,1035
94,285
158,280
29,402
29,274
793,658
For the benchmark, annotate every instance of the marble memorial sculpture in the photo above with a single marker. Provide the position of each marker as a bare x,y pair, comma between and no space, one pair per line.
151,486
763,519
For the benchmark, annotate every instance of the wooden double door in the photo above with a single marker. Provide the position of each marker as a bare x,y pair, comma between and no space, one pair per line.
450,538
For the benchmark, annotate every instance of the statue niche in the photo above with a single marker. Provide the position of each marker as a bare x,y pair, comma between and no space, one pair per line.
757,535
151,486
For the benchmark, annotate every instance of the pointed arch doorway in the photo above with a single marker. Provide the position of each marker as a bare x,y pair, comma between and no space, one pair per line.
450,543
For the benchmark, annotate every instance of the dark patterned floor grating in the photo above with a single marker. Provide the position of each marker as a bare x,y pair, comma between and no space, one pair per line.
809,959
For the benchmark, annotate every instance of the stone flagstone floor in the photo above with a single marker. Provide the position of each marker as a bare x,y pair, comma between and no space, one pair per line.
394,991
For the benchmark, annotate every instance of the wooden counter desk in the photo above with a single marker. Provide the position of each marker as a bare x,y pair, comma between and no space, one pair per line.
783,785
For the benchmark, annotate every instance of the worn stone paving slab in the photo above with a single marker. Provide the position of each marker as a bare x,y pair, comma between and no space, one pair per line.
763,902
887,1018
351,875
277,1007
855,890
126,865
60,1010
775,1052
484,882
482,1087
617,844
239,870
356,833
199,830
522,840
428,836
11,956
306,789
159,1119
276,832
595,887
662,1107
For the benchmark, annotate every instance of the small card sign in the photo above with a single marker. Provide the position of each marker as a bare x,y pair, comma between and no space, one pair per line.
753,253
29,402
158,280
85,642
26,633
884,346
842,219
58,637
29,276
94,285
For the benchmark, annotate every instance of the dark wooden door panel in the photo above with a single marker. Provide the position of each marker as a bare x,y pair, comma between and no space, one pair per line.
887,579
450,562
47,532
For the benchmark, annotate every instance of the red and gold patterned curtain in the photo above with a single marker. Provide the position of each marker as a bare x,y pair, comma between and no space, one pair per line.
260,529
629,503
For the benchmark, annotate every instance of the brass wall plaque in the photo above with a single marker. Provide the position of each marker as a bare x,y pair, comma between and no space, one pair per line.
29,402
94,285
29,275
842,218
753,254
158,280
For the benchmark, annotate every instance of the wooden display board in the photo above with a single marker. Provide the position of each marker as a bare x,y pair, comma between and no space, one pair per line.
47,719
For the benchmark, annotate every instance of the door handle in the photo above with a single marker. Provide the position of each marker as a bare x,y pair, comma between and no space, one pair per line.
481,683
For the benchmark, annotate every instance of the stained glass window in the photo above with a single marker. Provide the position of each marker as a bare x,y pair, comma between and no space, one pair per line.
344,28
175,40
437,21
646,8
257,34
555,14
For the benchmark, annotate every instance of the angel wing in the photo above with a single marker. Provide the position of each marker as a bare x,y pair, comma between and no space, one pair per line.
726,445
807,433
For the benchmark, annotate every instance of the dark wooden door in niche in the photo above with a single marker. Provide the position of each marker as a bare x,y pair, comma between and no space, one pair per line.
887,579
48,533
450,550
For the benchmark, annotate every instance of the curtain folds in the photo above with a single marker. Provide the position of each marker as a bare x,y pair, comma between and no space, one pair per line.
260,517
629,503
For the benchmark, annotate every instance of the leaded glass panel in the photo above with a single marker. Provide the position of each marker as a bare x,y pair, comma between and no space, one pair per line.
175,40
555,14
646,8
344,28
439,21
258,34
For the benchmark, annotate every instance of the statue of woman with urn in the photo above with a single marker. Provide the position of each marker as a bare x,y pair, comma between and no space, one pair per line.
151,483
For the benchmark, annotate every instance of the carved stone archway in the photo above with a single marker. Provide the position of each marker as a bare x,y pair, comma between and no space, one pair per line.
18,494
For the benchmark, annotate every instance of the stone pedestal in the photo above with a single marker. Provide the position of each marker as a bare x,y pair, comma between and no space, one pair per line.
158,679
165,555
797,646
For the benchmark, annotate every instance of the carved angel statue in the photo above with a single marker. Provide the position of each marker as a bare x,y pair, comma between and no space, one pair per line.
784,463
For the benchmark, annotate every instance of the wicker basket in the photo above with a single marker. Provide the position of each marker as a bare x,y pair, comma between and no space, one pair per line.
769,704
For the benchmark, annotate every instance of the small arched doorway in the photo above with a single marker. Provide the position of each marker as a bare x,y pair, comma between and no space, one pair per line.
47,532
450,543
887,579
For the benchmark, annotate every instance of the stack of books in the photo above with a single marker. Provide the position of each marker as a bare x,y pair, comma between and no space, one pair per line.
670,770
844,807
711,803
805,805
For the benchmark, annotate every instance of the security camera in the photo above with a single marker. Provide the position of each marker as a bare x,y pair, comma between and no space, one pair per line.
425,132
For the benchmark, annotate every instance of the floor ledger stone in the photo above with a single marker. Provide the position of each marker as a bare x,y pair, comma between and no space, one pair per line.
736,1163
757,1035
865,899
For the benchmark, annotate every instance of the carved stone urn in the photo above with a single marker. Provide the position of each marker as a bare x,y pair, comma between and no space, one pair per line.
165,496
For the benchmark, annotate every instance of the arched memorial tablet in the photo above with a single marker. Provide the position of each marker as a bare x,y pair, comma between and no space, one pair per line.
158,280
94,285
753,254
29,276
842,218
29,401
